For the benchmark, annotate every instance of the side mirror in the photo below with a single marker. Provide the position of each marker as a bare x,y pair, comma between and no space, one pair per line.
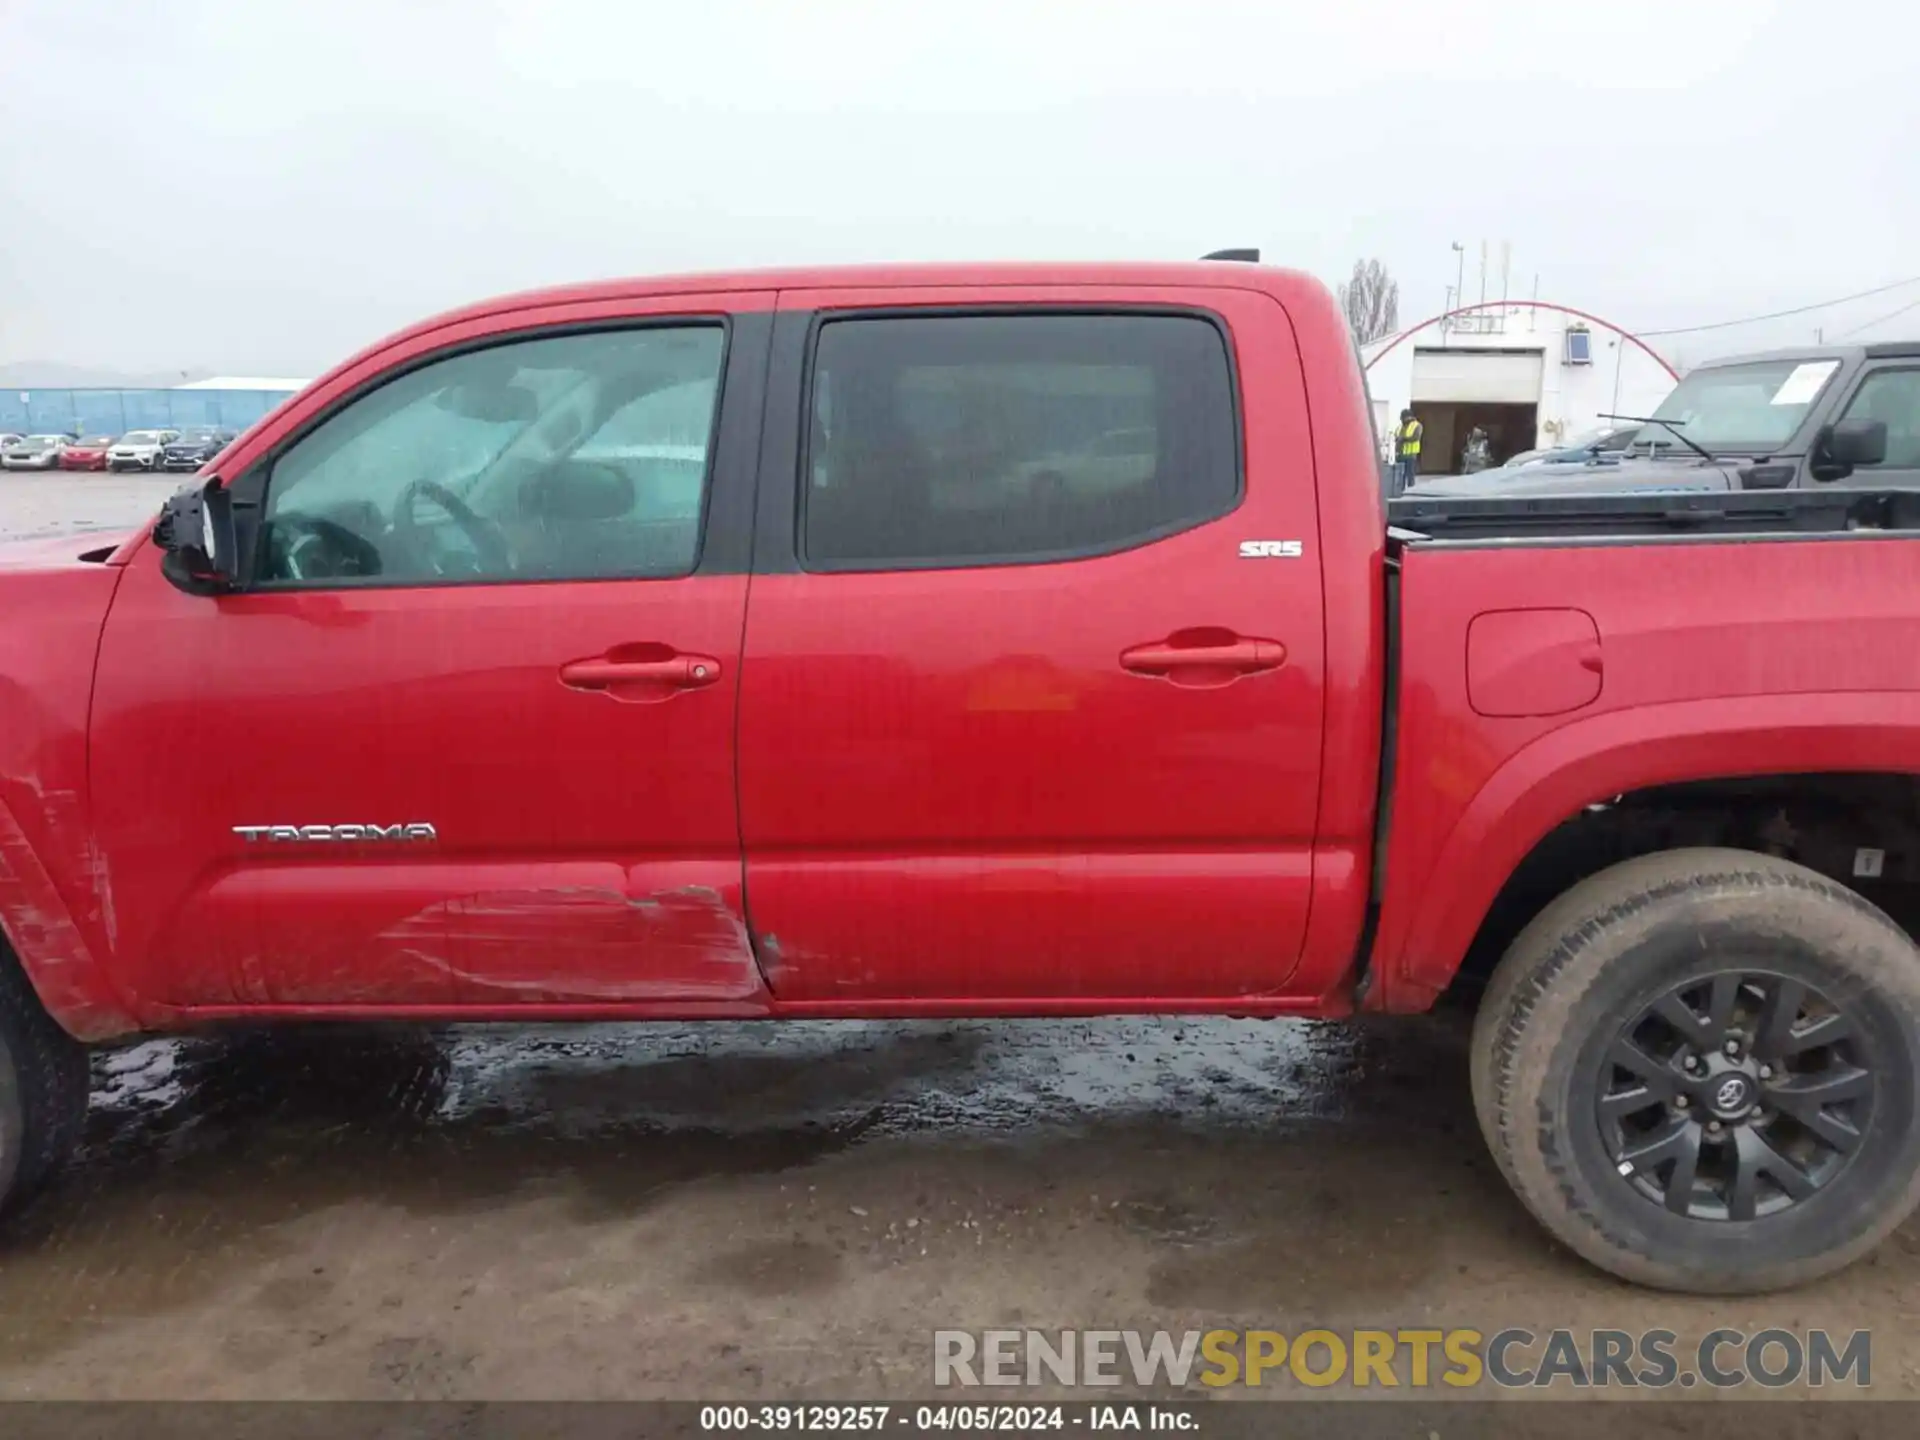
195,534
1855,442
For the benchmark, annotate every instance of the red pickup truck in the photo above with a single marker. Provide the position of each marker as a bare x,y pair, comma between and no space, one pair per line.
1010,641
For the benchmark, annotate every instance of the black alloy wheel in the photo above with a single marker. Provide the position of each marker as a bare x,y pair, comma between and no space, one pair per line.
1735,1095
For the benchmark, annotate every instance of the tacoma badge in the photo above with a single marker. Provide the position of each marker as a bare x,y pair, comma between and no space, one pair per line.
418,830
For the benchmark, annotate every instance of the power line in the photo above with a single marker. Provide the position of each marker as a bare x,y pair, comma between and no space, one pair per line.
1891,314
1783,314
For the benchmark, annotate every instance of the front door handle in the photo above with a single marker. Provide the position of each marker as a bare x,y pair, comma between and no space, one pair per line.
1214,663
652,678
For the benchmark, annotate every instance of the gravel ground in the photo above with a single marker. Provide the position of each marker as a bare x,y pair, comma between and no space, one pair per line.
762,1212
33,503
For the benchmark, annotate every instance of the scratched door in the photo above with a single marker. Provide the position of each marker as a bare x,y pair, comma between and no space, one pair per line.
539,678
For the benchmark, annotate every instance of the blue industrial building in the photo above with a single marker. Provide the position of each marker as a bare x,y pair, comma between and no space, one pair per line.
114,412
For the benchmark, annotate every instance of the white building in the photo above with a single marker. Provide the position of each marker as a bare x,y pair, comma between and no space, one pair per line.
1532,375
246,382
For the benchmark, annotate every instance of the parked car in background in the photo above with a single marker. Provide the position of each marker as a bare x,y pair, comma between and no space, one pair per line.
1800,419
34,452
1115,460
194,446
139,449
88,453
1592,447
8,437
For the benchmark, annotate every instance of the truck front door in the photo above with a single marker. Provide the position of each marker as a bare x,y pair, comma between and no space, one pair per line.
465,735
1032,703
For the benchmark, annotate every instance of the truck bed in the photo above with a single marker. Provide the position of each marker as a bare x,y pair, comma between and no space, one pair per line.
1684,516
1553,654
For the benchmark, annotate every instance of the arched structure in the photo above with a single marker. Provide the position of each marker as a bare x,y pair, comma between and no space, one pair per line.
1627,335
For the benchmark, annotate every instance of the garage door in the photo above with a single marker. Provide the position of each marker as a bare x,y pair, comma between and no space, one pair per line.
1491,377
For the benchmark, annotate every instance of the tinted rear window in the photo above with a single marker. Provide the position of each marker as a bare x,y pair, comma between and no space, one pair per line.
967,440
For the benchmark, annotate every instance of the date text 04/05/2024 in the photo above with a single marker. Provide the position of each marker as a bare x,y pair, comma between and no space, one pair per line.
1010,1419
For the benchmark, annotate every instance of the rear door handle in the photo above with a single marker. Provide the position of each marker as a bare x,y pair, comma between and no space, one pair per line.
640,679
1204,664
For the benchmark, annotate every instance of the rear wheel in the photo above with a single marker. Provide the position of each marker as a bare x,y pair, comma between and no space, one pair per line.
1699,1071
44,1080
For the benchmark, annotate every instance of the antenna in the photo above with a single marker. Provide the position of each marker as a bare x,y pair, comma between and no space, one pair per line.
1459,289
1246,256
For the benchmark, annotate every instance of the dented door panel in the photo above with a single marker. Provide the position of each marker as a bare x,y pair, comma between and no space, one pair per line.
405,796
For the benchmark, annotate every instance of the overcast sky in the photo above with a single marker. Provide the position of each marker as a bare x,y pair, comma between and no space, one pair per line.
260,186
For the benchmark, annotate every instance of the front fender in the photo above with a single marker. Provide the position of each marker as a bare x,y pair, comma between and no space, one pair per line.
1438,894
55,903
62,968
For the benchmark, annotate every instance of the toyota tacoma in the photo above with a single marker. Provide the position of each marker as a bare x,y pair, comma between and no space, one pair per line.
742,647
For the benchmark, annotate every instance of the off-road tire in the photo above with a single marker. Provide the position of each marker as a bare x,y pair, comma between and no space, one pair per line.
44,1080
1586,966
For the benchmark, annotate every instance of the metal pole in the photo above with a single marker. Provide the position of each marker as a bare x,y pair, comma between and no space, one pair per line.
1459,276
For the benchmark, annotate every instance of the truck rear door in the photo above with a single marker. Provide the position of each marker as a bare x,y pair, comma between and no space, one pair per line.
1031,697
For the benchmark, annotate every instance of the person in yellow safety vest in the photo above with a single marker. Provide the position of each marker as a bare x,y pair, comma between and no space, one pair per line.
1407,448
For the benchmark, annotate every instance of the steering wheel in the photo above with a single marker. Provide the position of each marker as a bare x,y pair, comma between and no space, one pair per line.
489,541
308,547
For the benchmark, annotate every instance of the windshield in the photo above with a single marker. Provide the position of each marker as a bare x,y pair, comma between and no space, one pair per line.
141,437
1754,407
96,441
195,436
39,442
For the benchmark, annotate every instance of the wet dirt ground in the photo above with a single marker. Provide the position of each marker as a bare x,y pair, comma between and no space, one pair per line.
36,503
759,1212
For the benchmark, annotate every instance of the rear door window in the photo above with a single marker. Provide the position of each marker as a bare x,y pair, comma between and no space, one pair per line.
961,440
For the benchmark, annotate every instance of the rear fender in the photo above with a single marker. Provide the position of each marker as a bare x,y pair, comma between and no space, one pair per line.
1436,903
